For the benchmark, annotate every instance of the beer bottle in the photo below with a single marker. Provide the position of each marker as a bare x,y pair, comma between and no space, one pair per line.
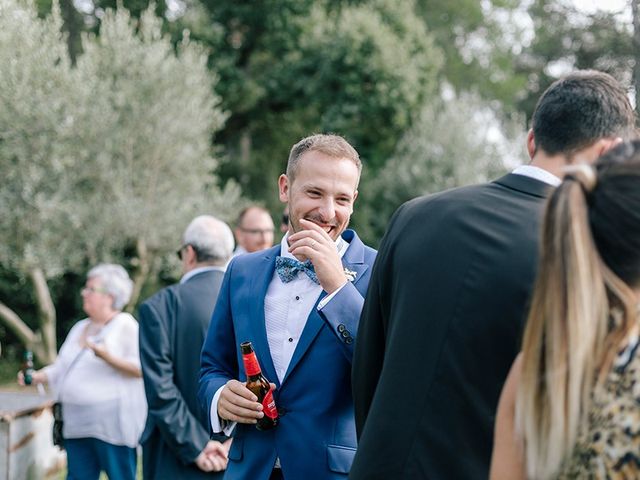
260,387
27,367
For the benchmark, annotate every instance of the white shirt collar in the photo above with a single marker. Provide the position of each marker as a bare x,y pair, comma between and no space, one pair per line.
239,250
196,271
537,173
341,246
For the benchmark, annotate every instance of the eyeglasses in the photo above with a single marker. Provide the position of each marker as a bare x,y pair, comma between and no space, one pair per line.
257,231
285,219
86,290
179,251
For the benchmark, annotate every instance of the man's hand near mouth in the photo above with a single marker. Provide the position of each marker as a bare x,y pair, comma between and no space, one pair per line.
315,244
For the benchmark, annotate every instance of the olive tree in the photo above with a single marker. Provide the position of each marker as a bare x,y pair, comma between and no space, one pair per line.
151,119
102,162
37,89
452,142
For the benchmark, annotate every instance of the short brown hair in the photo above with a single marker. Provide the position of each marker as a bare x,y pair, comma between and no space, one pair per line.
329,144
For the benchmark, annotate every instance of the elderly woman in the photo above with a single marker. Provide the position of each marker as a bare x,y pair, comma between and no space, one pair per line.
97,379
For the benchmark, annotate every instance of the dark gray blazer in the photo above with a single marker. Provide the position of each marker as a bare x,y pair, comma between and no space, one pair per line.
173,324
440,328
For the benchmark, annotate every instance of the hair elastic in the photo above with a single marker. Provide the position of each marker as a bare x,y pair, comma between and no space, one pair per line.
583,173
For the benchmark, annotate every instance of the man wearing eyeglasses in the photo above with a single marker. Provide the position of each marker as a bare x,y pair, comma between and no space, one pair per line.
254,230
173,324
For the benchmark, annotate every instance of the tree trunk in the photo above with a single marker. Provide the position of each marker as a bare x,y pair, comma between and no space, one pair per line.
31,340
142,273
245,149
635,9
12,320
72,25
46,315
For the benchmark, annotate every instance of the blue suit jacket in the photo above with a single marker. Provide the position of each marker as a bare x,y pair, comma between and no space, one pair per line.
315,438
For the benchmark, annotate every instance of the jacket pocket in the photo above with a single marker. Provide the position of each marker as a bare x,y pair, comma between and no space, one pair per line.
340,458
235,452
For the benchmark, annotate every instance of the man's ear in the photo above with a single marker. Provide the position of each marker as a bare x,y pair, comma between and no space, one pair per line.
595,151
531,144
607,144
192,256
283,188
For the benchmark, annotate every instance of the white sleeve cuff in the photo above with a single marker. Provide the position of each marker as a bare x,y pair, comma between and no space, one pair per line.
218,424
328,298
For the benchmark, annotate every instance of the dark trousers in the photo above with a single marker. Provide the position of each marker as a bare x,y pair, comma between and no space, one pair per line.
87,457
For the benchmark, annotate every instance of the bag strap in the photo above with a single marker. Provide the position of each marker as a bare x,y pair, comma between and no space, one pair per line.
99,338
66,372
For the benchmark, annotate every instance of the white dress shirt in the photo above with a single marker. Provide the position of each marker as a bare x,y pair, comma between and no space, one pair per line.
537,173
196,271
286,309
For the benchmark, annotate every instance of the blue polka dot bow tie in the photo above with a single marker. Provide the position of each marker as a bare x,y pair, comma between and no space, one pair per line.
287,268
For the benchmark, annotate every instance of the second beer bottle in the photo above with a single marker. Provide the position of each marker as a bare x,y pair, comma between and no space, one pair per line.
27,367
260,387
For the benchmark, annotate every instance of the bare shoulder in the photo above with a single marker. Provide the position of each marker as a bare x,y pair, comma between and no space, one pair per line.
507,462
513,380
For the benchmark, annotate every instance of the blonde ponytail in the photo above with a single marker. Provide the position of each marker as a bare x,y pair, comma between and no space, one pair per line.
566,326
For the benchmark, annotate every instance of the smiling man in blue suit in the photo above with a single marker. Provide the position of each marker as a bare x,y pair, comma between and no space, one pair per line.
299,304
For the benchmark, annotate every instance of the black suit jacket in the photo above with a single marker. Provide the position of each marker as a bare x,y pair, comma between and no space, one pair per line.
440,328
173,324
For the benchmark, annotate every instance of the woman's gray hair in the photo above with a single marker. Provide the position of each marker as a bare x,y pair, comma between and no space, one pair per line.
115,280
211,239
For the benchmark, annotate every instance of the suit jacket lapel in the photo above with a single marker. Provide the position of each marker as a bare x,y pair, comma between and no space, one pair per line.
353,259
259,284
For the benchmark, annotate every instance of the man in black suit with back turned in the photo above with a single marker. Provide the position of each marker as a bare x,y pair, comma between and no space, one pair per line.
173,324
443,315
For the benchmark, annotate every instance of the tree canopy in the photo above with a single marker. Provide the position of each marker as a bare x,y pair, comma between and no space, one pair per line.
290,68
107,160
119,124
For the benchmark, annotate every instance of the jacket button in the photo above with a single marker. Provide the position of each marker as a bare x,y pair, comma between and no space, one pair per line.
341,328
348,340
345,334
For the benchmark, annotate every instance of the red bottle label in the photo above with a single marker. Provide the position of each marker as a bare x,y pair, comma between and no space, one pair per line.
269,405
251,365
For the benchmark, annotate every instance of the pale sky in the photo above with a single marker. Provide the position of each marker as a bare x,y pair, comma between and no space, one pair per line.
593,5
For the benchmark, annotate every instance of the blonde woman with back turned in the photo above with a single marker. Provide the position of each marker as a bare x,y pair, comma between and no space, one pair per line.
571,405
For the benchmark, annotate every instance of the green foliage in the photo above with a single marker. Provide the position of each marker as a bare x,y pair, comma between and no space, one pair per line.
115,150
8,369
481,41
148,166
37,90
366,69
452,143
290,68
566,39
100,157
